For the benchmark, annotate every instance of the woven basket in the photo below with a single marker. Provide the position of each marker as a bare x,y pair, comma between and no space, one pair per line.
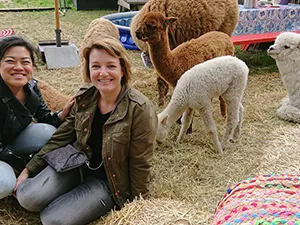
261,200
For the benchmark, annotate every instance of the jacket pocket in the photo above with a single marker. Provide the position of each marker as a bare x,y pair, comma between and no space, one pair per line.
120,146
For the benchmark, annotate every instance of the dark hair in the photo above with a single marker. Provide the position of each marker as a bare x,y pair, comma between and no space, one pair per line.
113,47
15,40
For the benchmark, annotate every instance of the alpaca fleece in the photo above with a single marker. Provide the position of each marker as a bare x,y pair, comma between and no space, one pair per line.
171,64
224,76
286,52
194,18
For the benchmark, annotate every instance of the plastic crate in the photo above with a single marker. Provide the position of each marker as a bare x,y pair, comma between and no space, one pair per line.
122,21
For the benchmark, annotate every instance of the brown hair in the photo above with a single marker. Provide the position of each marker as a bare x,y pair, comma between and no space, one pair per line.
115,49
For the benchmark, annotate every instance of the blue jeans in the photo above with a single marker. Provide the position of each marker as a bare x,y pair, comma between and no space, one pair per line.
63,200
26,144
32,138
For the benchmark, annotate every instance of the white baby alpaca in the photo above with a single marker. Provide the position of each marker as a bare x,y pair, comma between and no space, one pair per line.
286,52
224,76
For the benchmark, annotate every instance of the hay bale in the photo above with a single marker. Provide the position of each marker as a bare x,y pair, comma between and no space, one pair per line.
268,199
156,212
281,151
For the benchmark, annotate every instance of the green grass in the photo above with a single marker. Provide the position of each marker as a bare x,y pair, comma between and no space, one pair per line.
257,59
32,3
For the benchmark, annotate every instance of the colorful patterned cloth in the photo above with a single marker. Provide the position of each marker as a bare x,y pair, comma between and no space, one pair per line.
6,32
264,20
261,200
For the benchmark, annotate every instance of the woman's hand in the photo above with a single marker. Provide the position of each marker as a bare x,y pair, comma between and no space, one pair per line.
21,178
66,110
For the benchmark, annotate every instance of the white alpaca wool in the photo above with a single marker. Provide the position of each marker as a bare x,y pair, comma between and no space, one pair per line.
286,52
224,76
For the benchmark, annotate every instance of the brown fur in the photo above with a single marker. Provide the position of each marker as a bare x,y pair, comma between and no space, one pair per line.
195,18
54,99
171,64
98,29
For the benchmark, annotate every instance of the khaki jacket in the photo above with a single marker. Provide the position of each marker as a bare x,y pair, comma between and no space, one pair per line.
128,140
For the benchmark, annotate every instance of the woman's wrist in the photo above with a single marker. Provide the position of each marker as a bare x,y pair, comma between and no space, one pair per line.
59,114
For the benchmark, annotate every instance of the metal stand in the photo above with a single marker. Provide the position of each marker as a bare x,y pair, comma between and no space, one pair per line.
58,37
62,9
128,5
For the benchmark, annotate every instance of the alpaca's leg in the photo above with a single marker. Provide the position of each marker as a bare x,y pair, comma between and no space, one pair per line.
163,88
210,126
222,106
186,120
233,111
190,129
238,128
285,101
289,113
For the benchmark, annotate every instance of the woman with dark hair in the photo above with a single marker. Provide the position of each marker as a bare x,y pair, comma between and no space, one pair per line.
114,126
26,123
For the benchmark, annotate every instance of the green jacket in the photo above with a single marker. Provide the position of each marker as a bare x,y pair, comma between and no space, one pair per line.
128,140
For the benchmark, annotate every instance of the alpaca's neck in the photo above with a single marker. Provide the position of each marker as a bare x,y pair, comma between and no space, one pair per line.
162,58
289,75
174,111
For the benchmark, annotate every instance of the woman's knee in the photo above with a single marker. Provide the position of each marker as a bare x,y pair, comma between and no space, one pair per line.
47,218
32,139
81,205
28,198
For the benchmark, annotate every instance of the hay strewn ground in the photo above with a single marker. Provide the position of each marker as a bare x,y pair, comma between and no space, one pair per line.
191,172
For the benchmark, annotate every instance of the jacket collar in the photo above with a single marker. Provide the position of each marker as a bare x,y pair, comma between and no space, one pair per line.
89,91
32,99
5,92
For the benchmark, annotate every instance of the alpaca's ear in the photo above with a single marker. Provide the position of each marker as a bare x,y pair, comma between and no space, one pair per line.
170,20
164,120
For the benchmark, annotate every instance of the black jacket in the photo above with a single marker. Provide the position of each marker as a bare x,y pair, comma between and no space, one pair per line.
15,117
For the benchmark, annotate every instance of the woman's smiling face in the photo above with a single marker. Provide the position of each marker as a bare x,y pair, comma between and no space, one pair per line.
105,71
16,67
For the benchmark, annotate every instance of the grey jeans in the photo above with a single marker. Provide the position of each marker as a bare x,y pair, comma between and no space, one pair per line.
63,200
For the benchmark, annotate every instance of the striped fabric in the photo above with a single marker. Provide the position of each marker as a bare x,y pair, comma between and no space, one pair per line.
6,32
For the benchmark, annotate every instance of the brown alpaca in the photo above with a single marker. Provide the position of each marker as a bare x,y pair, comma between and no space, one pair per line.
54,99
195,18
171,64
99,28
